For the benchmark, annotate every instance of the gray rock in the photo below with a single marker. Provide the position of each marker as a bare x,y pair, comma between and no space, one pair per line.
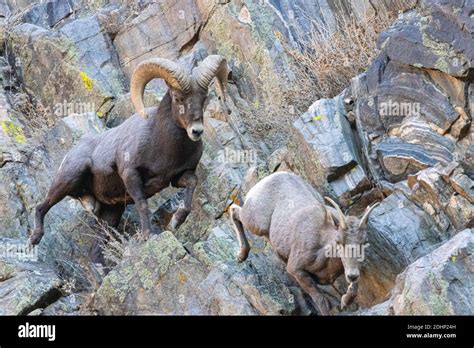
85,74
432,38
398,233
26,283
159,277
224,297
439,283
37,15
445,193
400,159
68,305
379,309
160,30
95,54
325,132
123,108
262,279
17,4
324,127
47,14
277,159
403,111
4,9
131,286
57,10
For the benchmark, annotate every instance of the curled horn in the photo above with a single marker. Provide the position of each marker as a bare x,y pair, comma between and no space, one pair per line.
174,75
364,218
342,218
212,66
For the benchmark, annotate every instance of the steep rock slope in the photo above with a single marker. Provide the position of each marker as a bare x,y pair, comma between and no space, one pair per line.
66,74
401,133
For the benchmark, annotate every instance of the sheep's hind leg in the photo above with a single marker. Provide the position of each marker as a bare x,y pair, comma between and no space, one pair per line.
187,180
59,189
234,211
109,215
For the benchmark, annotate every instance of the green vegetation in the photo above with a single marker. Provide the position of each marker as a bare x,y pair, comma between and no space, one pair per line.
13,131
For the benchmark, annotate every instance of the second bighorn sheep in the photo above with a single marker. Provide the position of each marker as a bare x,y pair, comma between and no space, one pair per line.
292,216
153,148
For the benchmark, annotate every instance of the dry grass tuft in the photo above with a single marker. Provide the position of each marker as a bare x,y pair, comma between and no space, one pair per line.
326,62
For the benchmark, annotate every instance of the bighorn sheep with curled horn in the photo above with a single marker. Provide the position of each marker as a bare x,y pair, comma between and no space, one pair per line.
292,216
153,148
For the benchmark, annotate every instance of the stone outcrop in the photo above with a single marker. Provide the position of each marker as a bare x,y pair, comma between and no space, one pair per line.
161,277
438,283
326,149
25,283
399,233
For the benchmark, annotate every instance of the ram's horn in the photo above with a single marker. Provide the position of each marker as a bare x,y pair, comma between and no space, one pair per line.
212,66
174,75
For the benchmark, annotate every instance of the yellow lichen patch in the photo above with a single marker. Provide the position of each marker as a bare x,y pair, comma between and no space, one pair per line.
235,198
88,84
13,131
100,113
278,35
182,277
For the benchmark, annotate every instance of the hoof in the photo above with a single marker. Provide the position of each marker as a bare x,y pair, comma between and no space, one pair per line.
178,219
242,255
174,223
35,238
346,300
145,235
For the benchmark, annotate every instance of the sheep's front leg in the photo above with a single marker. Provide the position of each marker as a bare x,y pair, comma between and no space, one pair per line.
304,279
134,185
187,180
350,295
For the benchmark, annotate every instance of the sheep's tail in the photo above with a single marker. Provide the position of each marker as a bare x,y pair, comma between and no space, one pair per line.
234,211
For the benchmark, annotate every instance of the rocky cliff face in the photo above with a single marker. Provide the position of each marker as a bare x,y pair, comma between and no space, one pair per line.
403,137
400,133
